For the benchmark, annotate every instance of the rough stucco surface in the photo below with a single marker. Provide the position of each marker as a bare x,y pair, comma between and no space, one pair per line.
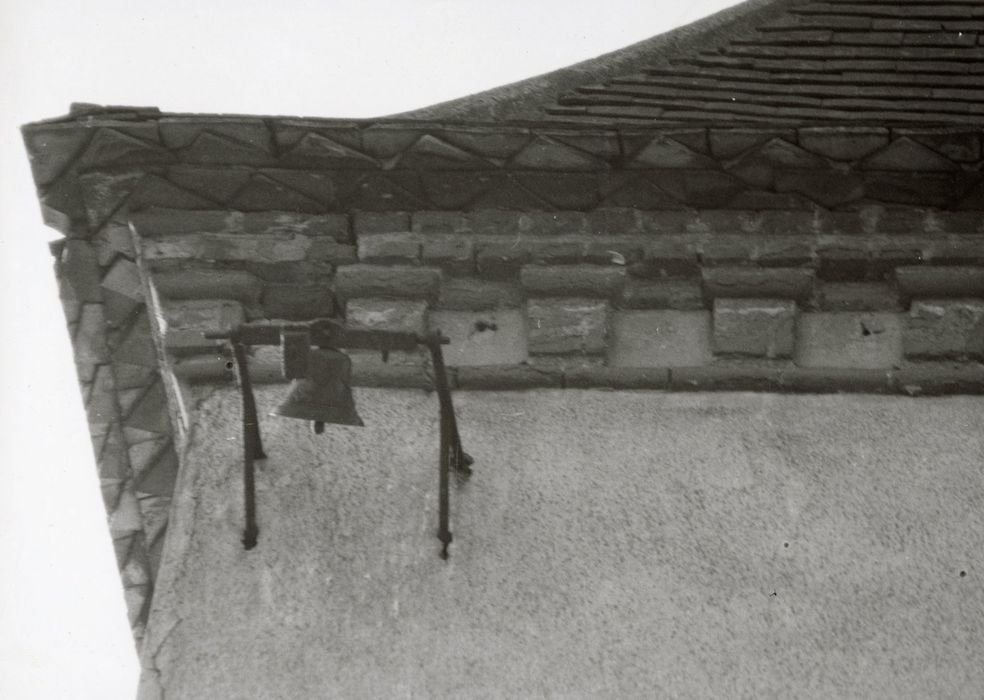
609,544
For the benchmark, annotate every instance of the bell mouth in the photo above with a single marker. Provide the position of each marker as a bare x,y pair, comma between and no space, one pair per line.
325,395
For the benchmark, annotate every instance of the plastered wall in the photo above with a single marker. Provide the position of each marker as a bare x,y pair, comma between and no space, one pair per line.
609,544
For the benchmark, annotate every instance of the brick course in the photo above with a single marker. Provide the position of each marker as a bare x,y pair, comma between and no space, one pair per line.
572,280
387,281
938,282
774,283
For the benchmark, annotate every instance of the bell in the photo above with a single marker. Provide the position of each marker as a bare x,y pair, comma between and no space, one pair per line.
325,395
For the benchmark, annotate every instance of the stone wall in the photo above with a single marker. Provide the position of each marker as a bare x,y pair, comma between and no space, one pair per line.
750,253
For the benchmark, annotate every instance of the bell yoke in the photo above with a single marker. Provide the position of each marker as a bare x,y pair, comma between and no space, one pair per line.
321,392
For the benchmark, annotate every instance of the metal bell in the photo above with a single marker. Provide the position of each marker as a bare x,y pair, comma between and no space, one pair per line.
325,395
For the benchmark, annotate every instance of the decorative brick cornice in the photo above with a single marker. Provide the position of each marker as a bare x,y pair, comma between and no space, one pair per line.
679,259
319,166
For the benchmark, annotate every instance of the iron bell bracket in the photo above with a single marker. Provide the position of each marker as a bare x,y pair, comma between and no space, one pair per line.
296,339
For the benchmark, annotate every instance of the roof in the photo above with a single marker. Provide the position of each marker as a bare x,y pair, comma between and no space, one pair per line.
775,61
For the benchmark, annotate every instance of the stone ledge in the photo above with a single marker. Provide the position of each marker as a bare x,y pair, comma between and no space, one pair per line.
831,380
727,377
932,379
499,377
915,379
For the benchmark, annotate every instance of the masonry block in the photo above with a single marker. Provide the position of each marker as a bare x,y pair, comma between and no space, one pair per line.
615,250
898,253
260,247
554,223
843,260
849,340
201,314
561,326
495,223
859,296
482,337
942,281
476,294
439,223
387,314
668,256
558,250
374,222
616,221
90,337
728,250
682,294
784,251
208,284
453,253
389,248
123,278
660,339
502,259
572,280
298,302
329,251
755,327
159,477
354,281
945,328
772,283
79,266
111,491
185,321
125,519
958,250
135,346
204,368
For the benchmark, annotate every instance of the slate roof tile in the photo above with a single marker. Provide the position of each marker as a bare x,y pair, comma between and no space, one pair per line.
769,60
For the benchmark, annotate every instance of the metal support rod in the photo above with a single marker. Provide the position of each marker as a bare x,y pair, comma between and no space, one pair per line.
252,447
450,454
462,461
444,464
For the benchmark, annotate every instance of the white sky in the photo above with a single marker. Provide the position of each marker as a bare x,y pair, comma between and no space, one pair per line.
63,629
